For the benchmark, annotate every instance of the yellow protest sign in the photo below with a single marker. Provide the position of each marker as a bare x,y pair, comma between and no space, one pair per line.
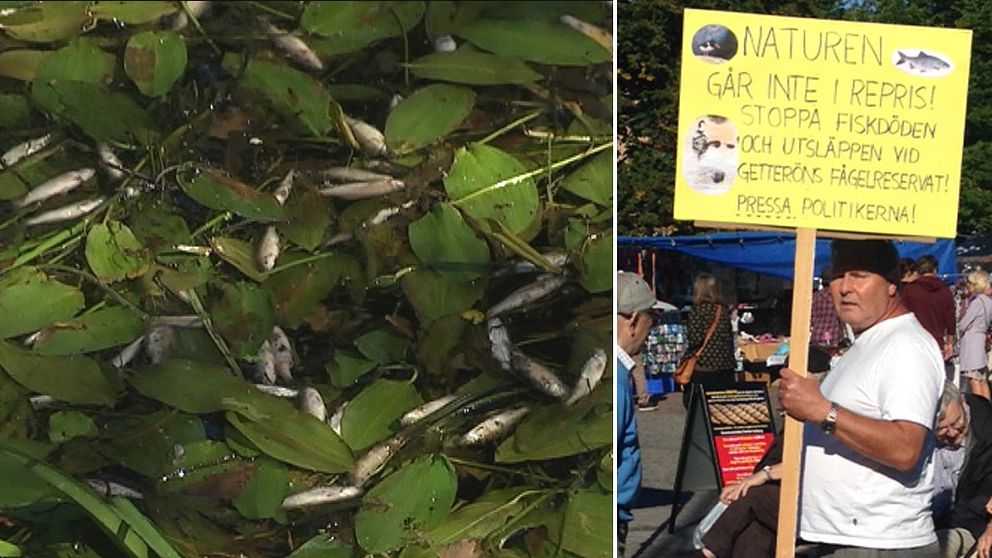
823,124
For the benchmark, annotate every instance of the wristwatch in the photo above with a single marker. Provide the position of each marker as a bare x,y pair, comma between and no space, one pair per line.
829,424
767,469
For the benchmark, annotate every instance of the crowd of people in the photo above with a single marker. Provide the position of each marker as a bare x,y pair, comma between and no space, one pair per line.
897,461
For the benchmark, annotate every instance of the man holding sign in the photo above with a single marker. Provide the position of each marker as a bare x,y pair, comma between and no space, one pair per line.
868,477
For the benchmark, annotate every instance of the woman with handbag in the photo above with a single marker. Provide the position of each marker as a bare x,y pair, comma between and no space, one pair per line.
973,325
710,341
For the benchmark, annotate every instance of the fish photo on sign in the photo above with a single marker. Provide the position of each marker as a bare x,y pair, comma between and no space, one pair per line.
917,62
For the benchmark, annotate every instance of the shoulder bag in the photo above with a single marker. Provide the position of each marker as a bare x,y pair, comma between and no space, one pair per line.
684,372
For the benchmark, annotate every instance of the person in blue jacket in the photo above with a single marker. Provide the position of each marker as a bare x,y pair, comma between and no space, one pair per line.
636,306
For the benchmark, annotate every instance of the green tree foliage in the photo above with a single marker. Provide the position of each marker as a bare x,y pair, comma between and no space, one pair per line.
649,33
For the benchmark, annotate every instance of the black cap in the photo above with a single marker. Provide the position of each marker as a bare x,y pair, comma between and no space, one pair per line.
875,256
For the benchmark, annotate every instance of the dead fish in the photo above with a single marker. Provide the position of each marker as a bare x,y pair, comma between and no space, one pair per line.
375,459
339,238
191,321
595,33
111,488
395,100
268,249
321,495
384,215
335,421
283,351
539,375
592,373
281,194
24,150
61,184
31,339
40,402
363,190
266,365
181,20
445,43
426,409
502,348
370,139
158,341
128,353
109,162
294,48
540,288
557,258
351,174
65,213
494,428
312,403
278,391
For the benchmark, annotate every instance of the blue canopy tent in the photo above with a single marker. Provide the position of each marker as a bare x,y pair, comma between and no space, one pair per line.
774,253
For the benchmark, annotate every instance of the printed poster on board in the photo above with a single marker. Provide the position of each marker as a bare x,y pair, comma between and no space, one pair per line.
742,428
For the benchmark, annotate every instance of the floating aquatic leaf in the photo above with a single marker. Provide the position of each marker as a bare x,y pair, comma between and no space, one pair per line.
22,487
593,180
74,379
433,296
240,254
535,41
21,299
597,264
473,67
582,528
368,417
244,316
16,416
215,190
426,115
191,386
15,113
149,443
442,240
383,347
296,292
133,12
307,218
347,367
100,329
298,439
353,25
79,61
21,64
46,21
105,115
414,499
440,340
157,226
323,546
262,496
66,425
155,60
113,252
488,183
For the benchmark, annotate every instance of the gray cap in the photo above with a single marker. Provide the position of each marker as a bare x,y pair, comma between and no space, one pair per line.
634,294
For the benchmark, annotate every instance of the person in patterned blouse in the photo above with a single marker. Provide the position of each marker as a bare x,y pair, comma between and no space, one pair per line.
717,364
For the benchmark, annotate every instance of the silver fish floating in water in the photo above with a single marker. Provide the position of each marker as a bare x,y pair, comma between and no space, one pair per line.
502,348
128,353
321,495
335,421
589,378
24,150
191,321
181,20
494,428
445,43
283,352
266,365
419,413
375,459
281,194
540,288
539,375
268,249
158,341
66,213
350,174
52,187
294,48
278,391
109,162
370,139
312,403
40,402
363,190
111,488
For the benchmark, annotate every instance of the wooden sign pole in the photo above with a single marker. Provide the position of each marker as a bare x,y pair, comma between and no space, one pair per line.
802,300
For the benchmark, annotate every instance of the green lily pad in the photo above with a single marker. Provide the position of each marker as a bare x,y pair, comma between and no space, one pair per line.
81,60
474,68
213,189
46,22
296,438
134,13
105,115
347,367
534,40
597,264
436,346
351,26
307,218
157,227
114,254
324,546
15,113
297,291
414,499
74,379
21,299
368,416
66,425
240,254
426,115
244,316
21,64
442,240
383,347
488,183
593,180
155,60
582,530
263,495
432,296
101,329
147,443
191,386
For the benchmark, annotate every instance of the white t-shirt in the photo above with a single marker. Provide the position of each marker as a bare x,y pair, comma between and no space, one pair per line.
892,372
